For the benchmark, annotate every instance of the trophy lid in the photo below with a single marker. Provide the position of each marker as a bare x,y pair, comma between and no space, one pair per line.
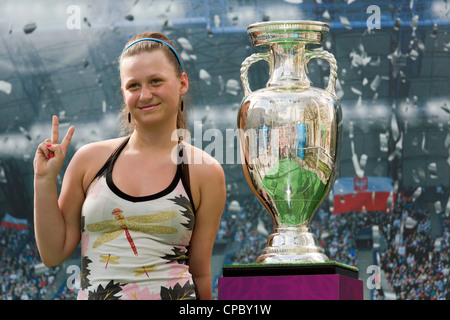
288,31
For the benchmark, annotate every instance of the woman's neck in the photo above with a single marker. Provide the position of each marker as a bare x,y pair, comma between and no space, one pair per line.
152,141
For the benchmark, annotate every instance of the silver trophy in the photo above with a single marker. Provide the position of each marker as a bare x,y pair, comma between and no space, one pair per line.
290,135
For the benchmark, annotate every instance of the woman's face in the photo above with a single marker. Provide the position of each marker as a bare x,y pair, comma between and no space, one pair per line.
151,88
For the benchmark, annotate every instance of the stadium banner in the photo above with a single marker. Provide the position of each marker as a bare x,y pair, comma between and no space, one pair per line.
360,194
14,223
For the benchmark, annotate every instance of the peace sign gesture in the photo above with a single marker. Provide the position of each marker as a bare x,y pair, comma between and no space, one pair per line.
50,155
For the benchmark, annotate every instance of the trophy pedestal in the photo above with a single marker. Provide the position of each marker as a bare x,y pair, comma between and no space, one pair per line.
309,281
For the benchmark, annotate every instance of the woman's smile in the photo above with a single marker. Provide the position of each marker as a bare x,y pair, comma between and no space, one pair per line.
148,107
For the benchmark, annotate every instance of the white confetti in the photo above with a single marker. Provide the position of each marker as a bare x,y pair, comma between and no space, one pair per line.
375,83
359,59
345,22
326,16
432,169
394,127
413,54
232,87
376,63
216,20
185,44
363,161
356,91
204,75
417,193
414,21
6,87
438,207
423,143
359,172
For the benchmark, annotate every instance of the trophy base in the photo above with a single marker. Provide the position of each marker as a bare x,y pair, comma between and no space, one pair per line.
303,281
292,245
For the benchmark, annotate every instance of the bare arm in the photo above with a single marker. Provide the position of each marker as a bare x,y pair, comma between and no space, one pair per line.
57,227
207,220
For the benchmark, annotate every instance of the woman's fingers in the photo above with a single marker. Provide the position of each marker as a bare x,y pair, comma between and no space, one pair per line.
55,135
55,130
68,137
47,149
50,154
50,146
51,150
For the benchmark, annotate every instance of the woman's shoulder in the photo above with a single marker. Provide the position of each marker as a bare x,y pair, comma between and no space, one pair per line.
90,158
99,148
202,163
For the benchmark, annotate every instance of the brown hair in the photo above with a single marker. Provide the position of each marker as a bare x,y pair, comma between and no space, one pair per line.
127,126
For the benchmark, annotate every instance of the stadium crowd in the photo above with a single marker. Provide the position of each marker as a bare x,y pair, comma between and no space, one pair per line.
415,262
19,255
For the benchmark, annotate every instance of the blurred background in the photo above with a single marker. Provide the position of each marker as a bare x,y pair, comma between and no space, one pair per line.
60,57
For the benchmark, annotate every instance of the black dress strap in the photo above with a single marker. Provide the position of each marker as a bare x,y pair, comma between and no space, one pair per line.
185,179
112,158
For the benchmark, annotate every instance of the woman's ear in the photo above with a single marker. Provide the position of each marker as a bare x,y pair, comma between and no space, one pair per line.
184,83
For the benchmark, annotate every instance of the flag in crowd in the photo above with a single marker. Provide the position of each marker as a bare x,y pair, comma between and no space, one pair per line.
13,223
363,194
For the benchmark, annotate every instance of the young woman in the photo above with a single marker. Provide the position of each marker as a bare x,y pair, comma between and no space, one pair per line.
147,223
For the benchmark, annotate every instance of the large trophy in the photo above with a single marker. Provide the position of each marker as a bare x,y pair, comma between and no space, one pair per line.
290,135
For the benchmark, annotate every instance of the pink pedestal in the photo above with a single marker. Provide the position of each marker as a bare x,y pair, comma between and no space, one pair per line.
309,286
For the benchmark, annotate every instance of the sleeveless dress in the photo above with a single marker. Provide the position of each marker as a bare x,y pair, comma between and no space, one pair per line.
136,247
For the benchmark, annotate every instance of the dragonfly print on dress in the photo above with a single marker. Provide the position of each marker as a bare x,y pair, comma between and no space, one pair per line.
109,259
144,270
112,229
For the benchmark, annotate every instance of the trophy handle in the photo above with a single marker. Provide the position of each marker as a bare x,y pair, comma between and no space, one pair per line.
322,54
246,65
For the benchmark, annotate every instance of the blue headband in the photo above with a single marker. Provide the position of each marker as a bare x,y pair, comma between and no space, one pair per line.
160,41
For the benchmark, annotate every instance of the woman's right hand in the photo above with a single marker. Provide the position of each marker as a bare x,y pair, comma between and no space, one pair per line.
50,155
